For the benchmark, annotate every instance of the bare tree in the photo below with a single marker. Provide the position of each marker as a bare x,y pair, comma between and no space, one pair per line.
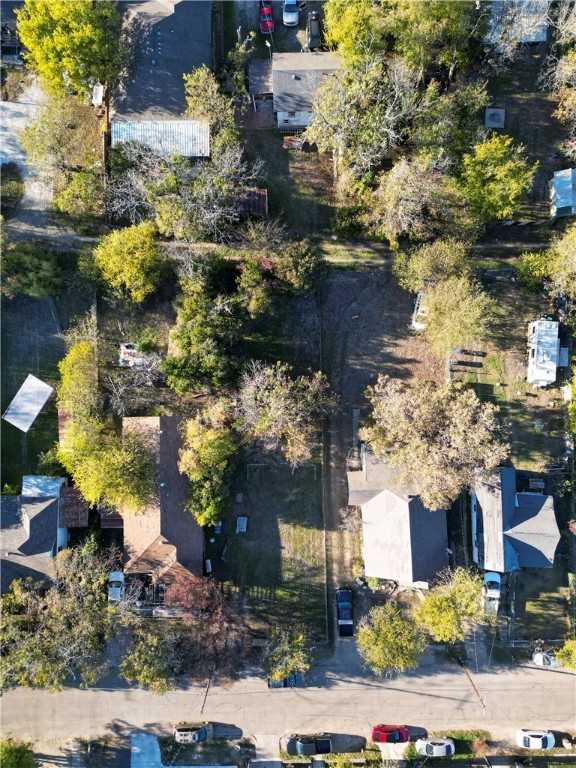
350,519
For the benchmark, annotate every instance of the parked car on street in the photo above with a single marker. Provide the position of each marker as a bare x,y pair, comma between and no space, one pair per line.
491,591
295,680
266,18
435,747
344,611
545,659
529,739
290,13
318,744
192,733
313,31
390,734
115,586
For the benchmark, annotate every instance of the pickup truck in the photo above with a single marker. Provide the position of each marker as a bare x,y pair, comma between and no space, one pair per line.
318,744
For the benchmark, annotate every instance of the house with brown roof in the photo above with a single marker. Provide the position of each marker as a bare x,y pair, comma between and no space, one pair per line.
164,539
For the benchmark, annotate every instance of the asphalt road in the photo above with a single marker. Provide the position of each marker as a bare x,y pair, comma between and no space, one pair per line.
341,700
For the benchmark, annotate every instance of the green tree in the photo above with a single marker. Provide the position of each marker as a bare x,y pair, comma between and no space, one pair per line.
456,599
438,437
301,266
288,652
205,101
567,654
83,42
154,659
459,314
16,754
78,388
63,138
496,178
282,412
255,283
130,261
83,196
209,445
418,200
50,634
361,114
431,264
352,28
388,642
555,265
449,122
206,326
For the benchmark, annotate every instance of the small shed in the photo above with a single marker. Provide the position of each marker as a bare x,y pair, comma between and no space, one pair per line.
519,21
562,188
187,138
544,352
27,403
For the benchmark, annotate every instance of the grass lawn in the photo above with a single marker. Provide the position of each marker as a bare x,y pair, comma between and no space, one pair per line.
279,563
299,183
542,603
30,344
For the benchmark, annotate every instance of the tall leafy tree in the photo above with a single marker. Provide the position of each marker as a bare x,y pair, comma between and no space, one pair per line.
496,178
281,411
51,634
567,654
555,265
16,754
389,642
459,314
205,101
438,437
130,261
431,264
71,44
207,459
288,652
455,600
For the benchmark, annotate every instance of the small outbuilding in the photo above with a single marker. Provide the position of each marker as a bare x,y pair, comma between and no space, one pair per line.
562,188
27,403
186,138
544,352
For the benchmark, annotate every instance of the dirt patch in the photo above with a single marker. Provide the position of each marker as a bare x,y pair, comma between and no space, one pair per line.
236,752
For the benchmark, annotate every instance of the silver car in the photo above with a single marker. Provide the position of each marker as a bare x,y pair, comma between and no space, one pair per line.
290,13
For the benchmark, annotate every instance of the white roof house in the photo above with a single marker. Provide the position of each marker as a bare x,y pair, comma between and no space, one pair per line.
563,193
27,403
544,354
187,138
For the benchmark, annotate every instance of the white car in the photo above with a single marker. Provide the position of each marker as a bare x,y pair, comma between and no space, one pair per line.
545,659
435,747
491,591
115,586
290,13
535,739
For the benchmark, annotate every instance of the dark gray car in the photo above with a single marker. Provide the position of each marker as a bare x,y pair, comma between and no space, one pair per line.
313,31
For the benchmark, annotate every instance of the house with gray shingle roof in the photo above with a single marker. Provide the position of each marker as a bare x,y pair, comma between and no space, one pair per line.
163,539
295,80
28,538
512,530
402,540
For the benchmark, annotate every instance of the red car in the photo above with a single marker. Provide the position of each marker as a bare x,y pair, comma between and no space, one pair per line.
390,734
266,20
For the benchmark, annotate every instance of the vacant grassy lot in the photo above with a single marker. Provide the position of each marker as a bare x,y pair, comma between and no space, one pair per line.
31,343
279,563
542,601
216,752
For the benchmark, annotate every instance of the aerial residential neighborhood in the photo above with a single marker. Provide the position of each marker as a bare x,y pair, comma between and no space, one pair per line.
287,381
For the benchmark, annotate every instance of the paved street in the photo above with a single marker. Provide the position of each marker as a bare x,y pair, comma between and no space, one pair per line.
435,697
